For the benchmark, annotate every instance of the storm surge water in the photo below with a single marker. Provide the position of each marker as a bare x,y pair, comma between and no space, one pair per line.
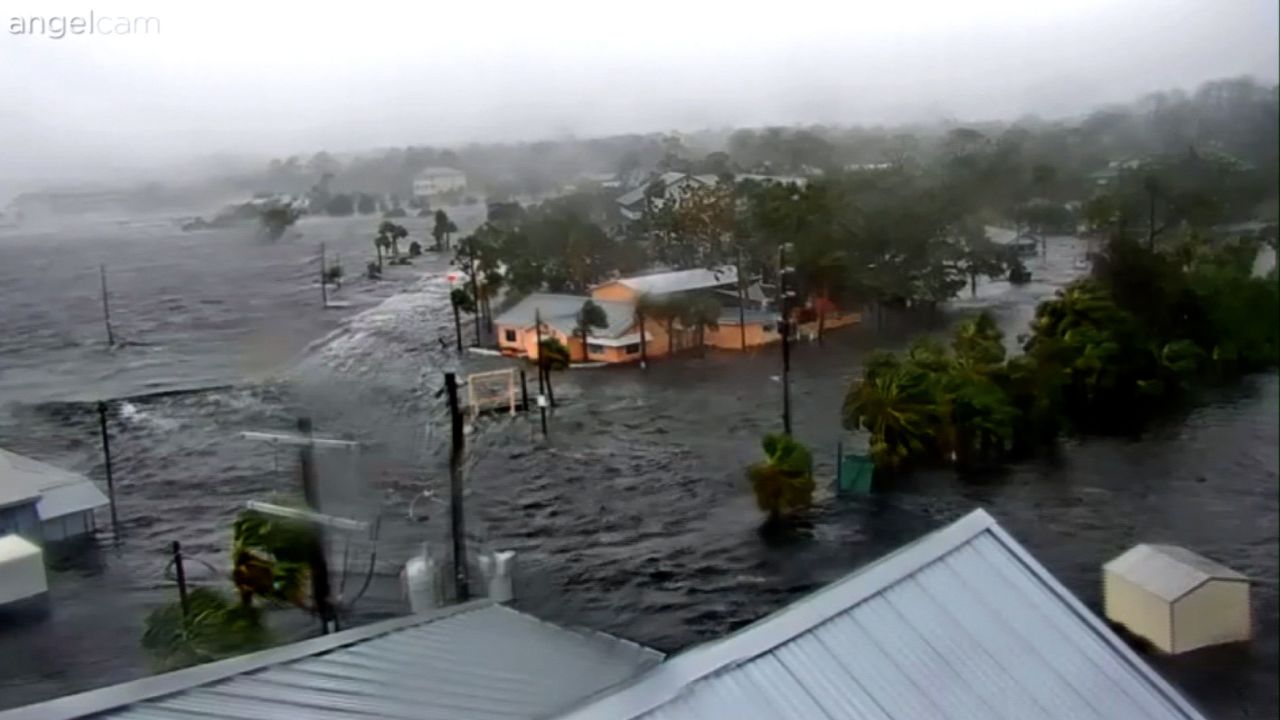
633,517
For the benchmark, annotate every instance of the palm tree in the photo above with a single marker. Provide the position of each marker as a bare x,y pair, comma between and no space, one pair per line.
783,482
664,310
389,235
381,243
442,229
895,404
700,312
590,316
644,310
978,342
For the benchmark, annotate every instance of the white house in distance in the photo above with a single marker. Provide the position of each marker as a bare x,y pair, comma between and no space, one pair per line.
674,186
437,180
44,503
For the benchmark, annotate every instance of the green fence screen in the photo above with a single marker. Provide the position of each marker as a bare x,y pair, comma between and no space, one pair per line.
854,474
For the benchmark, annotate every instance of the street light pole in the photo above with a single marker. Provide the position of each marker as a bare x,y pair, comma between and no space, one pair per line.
784,325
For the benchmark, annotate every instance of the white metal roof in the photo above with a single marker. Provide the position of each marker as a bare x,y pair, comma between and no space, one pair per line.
561,313
13,547
1167,571
679,280
477,661
61,492
963,623
16,488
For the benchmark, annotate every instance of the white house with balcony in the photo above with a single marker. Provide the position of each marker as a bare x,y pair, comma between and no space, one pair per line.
438,180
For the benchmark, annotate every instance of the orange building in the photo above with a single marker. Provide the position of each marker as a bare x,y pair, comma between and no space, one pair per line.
620,341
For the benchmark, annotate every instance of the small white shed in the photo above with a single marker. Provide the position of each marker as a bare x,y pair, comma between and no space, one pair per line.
1176,599
21,570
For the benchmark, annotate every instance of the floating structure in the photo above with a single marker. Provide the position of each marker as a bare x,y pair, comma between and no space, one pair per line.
22,574
1176,599
962,623
45,503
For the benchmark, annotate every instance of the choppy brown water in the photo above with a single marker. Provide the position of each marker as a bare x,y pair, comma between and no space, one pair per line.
633,518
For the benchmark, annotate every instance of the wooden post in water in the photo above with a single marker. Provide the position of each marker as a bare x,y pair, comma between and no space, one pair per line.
182,581
524,391
457,517
106,457
106,306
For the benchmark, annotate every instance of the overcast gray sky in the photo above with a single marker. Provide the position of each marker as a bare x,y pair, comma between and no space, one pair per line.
279,77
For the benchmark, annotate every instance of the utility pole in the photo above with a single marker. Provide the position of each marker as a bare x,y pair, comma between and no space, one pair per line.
784,326
319,563
542,388
457,516
742,301
324,280
475,286
457,320
182,581
106,307
106,457
307,443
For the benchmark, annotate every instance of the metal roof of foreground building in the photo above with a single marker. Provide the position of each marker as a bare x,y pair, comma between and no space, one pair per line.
476,661
962,623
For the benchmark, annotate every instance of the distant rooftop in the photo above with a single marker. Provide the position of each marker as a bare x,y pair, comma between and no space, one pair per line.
477,661
675,281
61,492
962,623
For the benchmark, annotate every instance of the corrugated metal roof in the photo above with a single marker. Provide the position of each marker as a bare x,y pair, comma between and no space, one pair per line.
1168,571
61,492
680,280
960,624
478,661
561,313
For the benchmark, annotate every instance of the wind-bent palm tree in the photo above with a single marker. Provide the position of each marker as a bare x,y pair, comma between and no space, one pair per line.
896,405
590,316
783,482
381,244
394,234
979,342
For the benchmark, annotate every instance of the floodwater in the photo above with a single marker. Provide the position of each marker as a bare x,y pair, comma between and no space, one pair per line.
632,517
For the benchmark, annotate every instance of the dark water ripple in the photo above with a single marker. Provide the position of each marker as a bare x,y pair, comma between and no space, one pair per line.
633,517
